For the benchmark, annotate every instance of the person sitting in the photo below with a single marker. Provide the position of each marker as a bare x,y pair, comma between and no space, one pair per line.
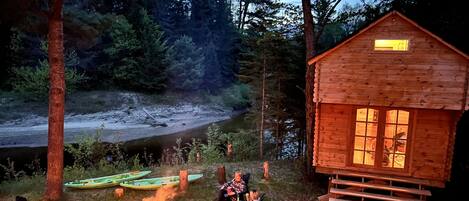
234,189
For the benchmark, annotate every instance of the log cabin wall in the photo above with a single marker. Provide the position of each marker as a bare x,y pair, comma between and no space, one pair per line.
429,75
430,79
432,131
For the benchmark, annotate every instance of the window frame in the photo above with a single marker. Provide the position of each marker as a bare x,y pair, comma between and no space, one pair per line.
379,150
409,45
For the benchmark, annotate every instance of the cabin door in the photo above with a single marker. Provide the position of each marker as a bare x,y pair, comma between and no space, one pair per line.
380,138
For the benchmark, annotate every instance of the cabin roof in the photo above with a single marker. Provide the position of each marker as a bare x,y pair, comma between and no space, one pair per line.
373,24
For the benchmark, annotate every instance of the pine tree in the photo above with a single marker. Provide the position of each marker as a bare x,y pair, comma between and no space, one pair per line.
124,54
212,75
153,72
186,65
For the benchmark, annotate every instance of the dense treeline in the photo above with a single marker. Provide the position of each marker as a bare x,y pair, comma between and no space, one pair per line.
135,45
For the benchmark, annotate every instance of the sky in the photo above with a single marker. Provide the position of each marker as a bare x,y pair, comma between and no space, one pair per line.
343,2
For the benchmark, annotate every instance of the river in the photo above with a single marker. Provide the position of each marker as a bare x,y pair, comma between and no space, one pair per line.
154,145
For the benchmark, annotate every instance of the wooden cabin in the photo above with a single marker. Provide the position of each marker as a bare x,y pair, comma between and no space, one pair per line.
387,103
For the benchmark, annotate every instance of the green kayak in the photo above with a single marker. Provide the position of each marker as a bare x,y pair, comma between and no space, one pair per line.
154,183
108,181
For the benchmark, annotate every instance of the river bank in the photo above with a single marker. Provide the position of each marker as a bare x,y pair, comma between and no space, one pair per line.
134,116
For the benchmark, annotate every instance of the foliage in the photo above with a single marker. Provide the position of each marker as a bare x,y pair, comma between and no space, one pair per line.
153,69
33,83
186,65
10,172
178,155
90,150
237,96
245,145
138,57
212,152
193,148
124,53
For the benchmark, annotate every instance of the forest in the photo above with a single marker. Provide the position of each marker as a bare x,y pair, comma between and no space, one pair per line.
246,55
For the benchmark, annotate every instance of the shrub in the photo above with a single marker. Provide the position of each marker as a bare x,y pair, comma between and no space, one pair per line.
245,145
236,96
33,83
194,147
213,151
186,65
90,150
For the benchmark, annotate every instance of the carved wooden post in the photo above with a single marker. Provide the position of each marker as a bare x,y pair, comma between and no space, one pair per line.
230,151
197,157
221,175
119,193
266,170
183,180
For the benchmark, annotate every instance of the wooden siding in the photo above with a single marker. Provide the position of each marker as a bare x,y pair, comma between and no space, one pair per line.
431,143
334,127
433,138
430,75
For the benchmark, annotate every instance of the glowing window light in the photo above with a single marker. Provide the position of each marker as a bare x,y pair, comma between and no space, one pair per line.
391,45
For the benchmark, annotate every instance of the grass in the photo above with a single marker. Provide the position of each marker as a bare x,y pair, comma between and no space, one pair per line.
286,183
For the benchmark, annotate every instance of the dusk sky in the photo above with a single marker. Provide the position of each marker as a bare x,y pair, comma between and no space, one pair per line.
298,2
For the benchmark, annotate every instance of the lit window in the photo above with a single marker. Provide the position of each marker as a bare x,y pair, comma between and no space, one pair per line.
366,130
395,138
392,45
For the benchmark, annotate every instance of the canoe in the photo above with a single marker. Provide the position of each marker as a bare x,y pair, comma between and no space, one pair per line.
155,183
108,181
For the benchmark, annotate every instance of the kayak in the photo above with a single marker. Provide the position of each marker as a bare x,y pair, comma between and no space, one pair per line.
108,181
154,183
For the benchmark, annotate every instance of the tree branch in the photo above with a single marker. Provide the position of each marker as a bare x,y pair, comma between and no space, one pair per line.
325,20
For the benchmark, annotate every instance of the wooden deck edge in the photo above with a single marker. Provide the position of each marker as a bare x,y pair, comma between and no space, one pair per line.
373,175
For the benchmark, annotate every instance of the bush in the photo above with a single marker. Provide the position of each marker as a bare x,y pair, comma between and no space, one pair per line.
186,65
236,96
137,54
90,150
245,146
33,83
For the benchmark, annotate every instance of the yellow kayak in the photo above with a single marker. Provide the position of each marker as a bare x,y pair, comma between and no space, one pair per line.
154,183
107,181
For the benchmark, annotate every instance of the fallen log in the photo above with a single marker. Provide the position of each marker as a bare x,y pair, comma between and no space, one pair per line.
156,123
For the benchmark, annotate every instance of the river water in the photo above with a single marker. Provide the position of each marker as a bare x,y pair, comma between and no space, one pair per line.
155,145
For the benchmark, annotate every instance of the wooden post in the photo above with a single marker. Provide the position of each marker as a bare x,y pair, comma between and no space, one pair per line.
183,180
198,157
230,150
266,170
221,175
119,193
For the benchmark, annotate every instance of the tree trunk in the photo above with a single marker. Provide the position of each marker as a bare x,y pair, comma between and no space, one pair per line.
279,138
261,132
245,11
240,16
310,107
56,104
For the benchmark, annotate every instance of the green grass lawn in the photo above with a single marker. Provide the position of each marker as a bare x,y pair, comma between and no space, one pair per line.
286,183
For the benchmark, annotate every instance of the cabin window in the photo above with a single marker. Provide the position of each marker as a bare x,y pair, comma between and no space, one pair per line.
366,131
381,137
391,45
395,138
